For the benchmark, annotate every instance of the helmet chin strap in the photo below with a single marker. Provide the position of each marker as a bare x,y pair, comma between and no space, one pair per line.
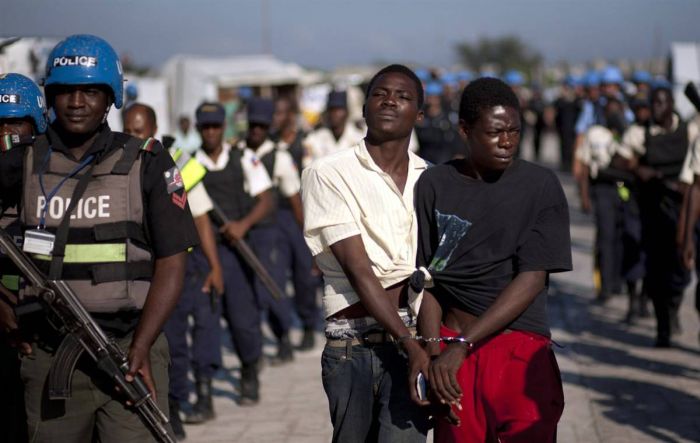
104,117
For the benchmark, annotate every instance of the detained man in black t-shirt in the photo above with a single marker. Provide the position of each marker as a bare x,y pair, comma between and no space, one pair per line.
491,229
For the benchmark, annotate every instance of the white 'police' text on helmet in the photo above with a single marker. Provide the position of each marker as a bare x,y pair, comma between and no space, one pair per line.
20,97
86,60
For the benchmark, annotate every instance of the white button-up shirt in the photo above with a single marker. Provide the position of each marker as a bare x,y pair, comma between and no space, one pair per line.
347,194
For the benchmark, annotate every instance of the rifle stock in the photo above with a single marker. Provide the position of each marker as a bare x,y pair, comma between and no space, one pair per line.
250,257
83,334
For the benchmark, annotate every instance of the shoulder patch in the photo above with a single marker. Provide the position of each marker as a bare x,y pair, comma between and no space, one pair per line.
173,180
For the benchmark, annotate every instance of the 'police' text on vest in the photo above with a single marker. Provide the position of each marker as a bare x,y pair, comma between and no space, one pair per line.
88,208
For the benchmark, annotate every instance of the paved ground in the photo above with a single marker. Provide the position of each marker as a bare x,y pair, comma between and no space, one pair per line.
617,387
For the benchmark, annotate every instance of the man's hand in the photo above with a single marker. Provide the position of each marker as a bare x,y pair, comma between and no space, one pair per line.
443,374
586,205
645,173
234,230
214,279
140,362
418,362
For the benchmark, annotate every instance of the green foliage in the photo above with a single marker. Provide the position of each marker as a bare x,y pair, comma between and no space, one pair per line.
508,52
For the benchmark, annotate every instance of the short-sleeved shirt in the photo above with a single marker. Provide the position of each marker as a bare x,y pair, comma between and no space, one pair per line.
516,224
197,197
285,175
634,144
322,142
170,225
347,194
199,200
255,177
598,149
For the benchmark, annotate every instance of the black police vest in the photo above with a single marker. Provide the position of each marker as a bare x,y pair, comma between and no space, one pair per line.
268,160
225,187
666,152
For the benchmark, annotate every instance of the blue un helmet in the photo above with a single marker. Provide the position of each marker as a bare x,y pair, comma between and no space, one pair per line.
86,60
592,78
433,89
642,76
20,97
514,78
612,75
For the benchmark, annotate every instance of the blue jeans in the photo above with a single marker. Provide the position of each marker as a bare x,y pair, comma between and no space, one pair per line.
367,390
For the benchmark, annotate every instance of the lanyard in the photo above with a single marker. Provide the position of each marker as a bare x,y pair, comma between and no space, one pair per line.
54,191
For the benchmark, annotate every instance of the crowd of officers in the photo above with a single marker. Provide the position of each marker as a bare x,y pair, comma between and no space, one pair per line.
636,160
632,155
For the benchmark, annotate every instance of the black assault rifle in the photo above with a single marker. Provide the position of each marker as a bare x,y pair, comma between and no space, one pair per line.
249,256
82,334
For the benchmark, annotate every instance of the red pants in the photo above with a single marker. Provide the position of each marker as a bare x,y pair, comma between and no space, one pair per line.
511,392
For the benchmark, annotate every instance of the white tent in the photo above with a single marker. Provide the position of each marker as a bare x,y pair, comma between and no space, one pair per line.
193,79
685,62
152,91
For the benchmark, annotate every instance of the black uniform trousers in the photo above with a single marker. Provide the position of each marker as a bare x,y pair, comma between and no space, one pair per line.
294,256
609,235
204,356
666,278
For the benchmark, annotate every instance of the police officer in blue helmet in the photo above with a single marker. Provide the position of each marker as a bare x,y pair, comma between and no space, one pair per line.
22,117
117,211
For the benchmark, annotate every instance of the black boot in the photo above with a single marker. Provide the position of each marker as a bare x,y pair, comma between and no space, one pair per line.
284,352
175,421
204,408
308,340
250,385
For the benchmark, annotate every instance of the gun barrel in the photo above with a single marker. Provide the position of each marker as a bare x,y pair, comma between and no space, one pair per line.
60,299
250,258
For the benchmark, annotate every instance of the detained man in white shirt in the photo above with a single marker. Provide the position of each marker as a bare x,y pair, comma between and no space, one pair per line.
360,224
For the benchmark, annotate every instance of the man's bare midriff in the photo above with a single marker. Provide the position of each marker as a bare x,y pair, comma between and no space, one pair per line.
398,294
458,320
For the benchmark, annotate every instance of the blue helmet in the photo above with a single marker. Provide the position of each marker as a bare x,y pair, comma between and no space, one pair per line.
573,80
449,78
20,97
514,78
488,73
592,78
132,91
433,89
661,82
465,76
86,60
611,75
642,77
423,74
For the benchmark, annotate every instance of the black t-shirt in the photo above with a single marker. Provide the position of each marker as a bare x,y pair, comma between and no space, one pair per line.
518,223
169,224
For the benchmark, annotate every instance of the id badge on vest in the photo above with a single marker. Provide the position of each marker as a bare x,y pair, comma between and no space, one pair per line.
38,241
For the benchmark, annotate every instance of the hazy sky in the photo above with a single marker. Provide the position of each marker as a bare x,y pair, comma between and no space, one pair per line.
328,33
